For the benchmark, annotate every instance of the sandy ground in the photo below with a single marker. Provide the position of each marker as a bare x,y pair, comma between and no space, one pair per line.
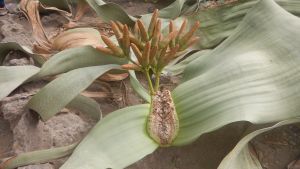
22,131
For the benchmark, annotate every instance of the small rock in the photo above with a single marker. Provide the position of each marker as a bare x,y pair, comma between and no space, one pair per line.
12,107
19,62
294,165
130,4
151,9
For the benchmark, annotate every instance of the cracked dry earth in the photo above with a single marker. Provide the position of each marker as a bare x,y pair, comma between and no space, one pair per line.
22,131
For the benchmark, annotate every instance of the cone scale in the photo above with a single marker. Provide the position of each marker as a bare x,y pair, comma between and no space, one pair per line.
163,124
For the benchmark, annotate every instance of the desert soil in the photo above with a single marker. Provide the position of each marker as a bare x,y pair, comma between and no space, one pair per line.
22,131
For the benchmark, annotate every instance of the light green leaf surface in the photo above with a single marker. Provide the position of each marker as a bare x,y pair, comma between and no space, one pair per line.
60,63
117,141
110,11
36,157
252,76
86,105
61,4
12,76
138,88
219,23
172,11
76,58
178,67
241,157
7,47
61,91
216,24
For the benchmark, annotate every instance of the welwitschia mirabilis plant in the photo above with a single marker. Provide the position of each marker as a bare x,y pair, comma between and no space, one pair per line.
243,79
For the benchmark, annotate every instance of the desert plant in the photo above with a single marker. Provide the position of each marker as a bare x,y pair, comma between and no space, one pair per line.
243,79
153,51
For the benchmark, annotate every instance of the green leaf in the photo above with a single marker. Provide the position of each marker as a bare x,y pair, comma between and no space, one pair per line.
7,47
138,88
86,105
219,23
117,141
172,11
61,4
252,76
36,157
216,24
241,157
74,58
61,91
12,76
110,11
178,67
60,63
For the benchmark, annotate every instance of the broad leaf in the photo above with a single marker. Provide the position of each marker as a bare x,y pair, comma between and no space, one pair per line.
60,63
61,91
117,141
179,66
138,88
252,76
241,156
61,4
86,105
7,47
219,23
12,76
36,157
110,11
76,58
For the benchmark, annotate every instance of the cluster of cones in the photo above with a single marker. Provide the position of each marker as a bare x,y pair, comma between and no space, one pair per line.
152,49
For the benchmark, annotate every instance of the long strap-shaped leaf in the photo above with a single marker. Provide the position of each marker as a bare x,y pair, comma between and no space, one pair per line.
115,142
110,11
59,63
86,105
12,76
138,88
241,157
76,58
61,91
216,23
5,48
253,76
39,156
219,23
